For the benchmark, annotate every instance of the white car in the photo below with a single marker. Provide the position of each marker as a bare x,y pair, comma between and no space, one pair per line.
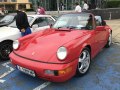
10,33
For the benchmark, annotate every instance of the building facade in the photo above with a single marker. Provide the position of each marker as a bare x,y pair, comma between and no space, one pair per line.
15,4
51,5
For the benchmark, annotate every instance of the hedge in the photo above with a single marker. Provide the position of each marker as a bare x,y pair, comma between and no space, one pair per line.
11,11
29,10
113,4
14,11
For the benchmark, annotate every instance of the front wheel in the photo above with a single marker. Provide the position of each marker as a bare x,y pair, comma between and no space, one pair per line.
83,62
5,50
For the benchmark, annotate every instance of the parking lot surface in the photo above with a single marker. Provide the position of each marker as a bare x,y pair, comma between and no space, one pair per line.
104,73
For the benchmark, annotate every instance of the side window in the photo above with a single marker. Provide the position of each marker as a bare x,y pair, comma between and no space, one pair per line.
41,22
98,20
50,20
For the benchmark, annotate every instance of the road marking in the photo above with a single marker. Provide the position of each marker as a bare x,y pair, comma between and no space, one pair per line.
42,86
2,81
6,73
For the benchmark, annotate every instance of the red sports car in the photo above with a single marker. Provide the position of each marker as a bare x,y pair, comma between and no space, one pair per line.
64,50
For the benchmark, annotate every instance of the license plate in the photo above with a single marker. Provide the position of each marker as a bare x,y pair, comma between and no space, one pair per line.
27,71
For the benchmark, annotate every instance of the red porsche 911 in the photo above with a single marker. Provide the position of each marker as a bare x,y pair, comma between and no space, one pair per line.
64,50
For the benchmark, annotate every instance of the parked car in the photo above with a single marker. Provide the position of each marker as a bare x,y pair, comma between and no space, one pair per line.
10,32
64,50
6,20
55,17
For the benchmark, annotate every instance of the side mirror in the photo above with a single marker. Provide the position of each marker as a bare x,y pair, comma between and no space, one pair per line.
100,28
104,23
34,26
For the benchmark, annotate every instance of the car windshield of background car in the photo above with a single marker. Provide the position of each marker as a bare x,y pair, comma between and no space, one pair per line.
14,23
7,18
72,21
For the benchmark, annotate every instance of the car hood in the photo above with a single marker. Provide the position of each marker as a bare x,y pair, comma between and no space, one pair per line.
43,46
6,31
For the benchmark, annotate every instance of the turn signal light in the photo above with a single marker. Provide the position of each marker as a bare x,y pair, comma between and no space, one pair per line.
67,70
58,72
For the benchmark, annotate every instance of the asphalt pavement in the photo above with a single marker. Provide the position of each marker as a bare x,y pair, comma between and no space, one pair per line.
104,73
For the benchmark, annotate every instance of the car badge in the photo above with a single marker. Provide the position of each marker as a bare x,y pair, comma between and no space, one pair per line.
33,53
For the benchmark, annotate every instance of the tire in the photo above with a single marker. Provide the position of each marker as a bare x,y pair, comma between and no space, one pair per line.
83,62
109,42
5,50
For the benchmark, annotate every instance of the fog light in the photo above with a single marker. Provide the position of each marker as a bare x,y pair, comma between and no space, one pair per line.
50,72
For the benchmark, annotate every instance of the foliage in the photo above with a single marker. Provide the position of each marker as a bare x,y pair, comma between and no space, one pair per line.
113,4
29,10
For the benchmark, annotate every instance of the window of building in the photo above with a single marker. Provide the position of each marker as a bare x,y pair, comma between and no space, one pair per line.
13,0
5,0
30,0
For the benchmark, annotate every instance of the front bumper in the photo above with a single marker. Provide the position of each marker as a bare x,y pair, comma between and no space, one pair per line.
40,68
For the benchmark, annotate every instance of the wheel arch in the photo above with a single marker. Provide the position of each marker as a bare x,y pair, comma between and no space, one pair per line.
89,47
111,30
86,45
5,55
8,40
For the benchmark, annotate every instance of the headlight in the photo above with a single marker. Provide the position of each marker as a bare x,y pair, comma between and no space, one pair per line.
15,44
62,53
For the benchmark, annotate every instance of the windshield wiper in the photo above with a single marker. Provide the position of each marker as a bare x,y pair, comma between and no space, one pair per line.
68,27
71,27
74,27
61,27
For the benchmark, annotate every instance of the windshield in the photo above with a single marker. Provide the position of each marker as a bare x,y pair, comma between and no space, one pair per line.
74,21
14,22
8,18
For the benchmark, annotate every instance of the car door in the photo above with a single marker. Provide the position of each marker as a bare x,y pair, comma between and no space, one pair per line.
101,32
40,24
